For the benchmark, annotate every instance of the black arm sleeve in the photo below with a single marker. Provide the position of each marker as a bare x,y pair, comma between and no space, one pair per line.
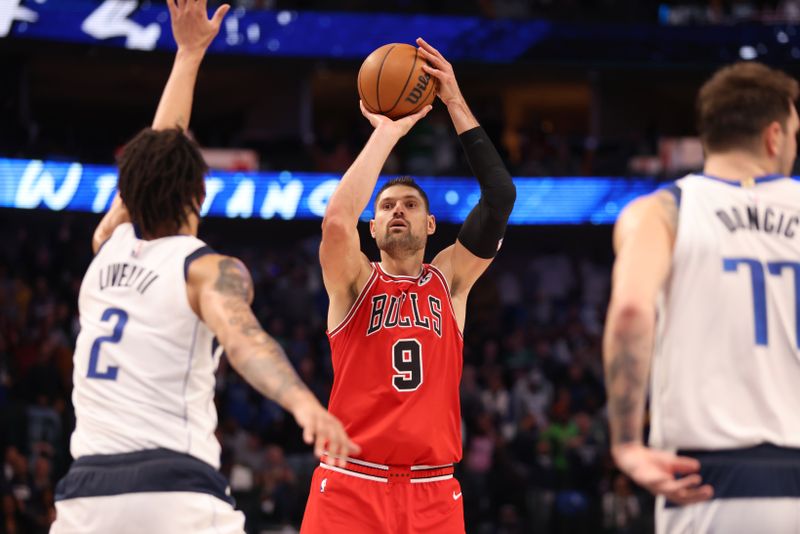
485,225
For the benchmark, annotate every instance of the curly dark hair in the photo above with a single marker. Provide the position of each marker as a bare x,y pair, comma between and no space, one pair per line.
407,181
739,101
161,180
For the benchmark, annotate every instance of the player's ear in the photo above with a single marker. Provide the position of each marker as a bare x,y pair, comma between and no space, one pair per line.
773,138
372,227
431,224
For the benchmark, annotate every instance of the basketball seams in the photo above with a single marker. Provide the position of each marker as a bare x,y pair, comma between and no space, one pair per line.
403,90
361,93
378,79
373,73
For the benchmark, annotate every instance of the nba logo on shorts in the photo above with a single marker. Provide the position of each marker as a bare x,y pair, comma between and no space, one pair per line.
322,485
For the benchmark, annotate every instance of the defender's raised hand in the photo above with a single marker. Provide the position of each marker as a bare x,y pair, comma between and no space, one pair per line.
192,29
193,32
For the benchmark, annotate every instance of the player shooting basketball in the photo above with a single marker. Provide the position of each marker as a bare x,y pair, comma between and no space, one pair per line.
395,329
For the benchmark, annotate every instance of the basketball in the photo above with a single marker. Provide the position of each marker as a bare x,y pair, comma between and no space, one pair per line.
391,81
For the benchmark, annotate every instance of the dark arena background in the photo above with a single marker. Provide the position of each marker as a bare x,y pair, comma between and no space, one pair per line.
591,103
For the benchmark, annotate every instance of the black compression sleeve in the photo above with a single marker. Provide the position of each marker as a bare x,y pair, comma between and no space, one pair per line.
485,225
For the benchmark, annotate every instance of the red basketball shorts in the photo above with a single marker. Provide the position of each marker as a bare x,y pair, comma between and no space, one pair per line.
366,498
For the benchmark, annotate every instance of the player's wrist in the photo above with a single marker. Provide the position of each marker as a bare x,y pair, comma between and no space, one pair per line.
300,401
191,55
388,131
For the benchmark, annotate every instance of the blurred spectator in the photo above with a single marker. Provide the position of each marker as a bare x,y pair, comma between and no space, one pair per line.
621,511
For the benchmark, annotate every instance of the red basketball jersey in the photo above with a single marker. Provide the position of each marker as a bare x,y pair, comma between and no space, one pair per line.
397,360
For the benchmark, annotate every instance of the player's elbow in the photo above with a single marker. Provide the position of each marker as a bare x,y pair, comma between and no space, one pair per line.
628,316
336,226
501,194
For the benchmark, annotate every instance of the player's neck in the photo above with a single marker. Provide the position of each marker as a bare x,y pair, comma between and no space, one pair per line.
186,228
737,166
405,266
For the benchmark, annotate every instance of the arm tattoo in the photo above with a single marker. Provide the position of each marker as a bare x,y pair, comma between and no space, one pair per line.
234,280
265,366
626,378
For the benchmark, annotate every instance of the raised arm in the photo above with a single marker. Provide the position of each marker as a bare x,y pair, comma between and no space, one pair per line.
193,32
345,269
220,291
643,240
483,230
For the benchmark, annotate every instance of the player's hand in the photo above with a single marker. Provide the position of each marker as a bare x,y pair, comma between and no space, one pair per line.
438,67
655,471
192,29
325,433
399,127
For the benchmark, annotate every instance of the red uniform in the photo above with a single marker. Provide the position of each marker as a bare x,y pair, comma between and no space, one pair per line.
397,361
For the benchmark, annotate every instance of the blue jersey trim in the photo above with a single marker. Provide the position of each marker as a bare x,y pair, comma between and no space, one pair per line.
737,183
675,189
152,470
763,471
199,253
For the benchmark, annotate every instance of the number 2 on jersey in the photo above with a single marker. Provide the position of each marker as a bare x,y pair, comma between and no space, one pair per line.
111,372
407,361
775,268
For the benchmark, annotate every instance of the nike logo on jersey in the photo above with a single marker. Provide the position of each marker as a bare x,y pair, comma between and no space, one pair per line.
456,496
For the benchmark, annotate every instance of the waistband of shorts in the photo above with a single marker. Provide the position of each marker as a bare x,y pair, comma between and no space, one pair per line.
763,471
393,474
152,470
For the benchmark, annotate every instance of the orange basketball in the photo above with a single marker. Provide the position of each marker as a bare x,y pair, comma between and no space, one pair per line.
391,81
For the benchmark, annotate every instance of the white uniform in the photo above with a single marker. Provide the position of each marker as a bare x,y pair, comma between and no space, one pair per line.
144,396
726,369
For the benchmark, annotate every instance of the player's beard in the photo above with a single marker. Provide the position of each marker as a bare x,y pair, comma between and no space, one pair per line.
401,243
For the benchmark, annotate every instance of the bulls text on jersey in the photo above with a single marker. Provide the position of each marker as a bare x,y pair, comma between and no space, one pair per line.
385,313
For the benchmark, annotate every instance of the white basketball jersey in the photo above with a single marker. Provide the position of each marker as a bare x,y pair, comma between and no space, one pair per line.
144,368
726,370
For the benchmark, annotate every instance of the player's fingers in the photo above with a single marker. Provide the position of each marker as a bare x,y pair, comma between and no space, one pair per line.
319,445
341,449
364,111
172,8
436,73
427,46
671,486
353,448
684,464
691,495
421,113
219,14
436,61
309,431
